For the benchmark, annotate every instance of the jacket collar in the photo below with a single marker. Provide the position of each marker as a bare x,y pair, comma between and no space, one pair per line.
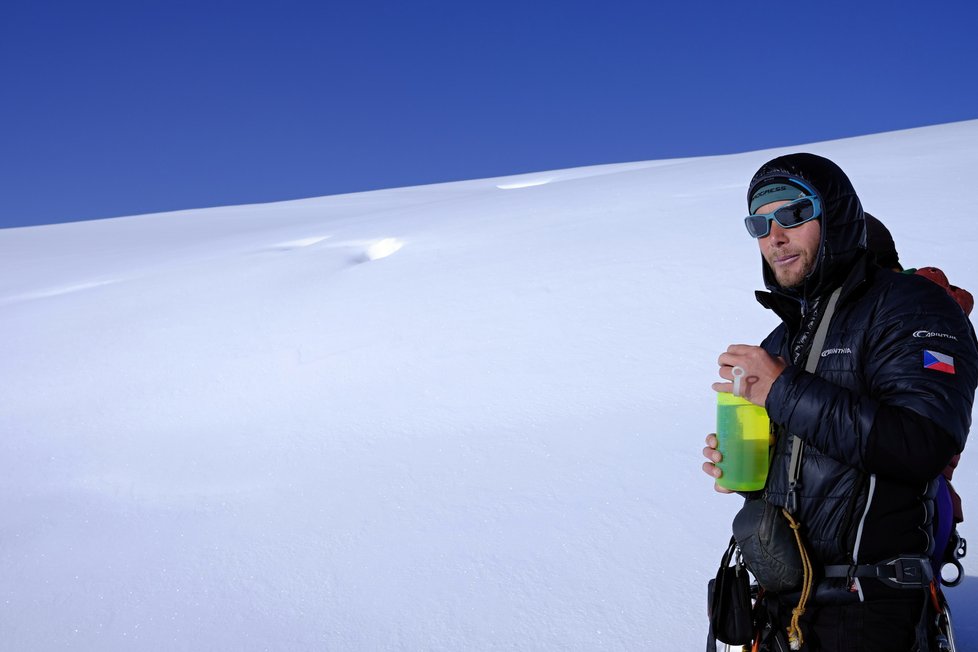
789,306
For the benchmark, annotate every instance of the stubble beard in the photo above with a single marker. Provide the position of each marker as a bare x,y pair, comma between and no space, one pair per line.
793,277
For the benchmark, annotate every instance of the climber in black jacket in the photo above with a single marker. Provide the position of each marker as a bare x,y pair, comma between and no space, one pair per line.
886,408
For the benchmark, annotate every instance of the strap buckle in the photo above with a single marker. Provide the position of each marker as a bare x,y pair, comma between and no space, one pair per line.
905,572
898,573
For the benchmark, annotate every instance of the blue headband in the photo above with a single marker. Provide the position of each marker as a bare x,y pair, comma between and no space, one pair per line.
780,190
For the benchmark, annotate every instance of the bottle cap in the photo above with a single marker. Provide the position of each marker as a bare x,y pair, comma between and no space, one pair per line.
738,373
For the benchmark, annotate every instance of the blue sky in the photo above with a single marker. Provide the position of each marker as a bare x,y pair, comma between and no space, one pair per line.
119,108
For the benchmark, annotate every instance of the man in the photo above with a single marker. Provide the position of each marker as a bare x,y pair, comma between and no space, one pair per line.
886,408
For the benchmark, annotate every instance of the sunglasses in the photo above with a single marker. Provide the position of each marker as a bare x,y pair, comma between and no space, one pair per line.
796,213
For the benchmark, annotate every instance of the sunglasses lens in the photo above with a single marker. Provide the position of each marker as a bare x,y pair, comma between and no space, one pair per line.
757,225
795,213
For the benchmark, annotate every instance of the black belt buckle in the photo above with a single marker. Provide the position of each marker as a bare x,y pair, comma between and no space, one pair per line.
908,572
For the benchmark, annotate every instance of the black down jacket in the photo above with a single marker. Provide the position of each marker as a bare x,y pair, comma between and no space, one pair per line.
878,419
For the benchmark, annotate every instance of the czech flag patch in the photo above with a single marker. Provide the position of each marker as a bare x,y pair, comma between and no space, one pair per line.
938,362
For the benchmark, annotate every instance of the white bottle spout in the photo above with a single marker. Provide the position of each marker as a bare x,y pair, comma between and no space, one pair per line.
738,374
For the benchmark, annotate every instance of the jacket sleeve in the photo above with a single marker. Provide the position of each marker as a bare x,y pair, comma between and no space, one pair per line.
913,417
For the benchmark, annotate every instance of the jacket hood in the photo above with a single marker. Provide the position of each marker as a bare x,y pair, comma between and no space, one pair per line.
843,224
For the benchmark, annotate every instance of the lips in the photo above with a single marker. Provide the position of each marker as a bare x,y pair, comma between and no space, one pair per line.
785,260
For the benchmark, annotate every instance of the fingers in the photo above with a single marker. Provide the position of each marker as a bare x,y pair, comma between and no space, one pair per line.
714,472
760,367
734,354
714,457
726,369
741,355
741,349
710,468
710,451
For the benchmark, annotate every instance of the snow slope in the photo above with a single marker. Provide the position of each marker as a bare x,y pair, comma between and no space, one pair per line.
464,416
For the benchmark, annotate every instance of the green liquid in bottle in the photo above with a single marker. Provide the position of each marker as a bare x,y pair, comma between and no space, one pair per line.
743,434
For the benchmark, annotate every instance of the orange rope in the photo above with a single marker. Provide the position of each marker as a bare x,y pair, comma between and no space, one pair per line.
795,638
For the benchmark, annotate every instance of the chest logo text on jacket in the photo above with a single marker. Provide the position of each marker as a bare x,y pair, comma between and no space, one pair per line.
827,352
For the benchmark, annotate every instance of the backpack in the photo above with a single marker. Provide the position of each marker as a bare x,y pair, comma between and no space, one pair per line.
949,547
962,296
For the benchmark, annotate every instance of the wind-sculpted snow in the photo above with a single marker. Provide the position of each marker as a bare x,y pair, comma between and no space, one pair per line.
457,417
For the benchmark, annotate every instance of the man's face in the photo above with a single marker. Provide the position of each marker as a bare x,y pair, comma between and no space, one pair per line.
791,253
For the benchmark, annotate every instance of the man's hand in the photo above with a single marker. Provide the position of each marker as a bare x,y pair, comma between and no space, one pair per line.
710,468
760,367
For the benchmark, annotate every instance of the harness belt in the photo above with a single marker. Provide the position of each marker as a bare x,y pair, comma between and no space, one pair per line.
898,572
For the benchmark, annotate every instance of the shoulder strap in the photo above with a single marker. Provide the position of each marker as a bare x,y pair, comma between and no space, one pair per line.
794,466
822,332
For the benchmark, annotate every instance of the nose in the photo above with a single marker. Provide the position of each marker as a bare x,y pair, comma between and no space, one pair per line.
778,234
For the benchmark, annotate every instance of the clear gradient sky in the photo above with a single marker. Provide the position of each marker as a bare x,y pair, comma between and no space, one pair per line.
112,108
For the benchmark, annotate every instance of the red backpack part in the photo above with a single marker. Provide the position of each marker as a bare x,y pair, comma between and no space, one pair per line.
962,296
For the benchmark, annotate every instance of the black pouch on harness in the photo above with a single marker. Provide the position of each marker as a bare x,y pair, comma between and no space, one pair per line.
768,545
729,605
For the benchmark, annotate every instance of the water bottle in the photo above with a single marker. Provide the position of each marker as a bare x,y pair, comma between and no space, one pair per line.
743,436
